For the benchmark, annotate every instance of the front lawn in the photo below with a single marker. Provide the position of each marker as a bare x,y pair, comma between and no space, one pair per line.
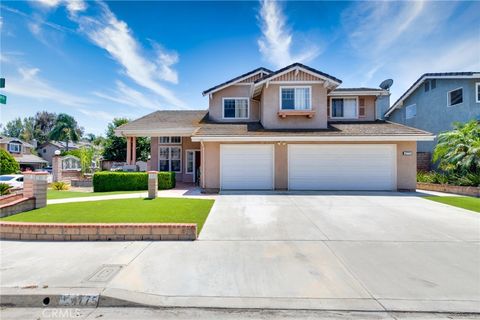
469,203
56,194
174,210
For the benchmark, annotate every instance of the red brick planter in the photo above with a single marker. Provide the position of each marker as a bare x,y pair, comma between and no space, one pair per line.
466,191
97,231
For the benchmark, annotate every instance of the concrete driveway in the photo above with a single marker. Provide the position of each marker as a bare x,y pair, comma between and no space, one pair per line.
352,251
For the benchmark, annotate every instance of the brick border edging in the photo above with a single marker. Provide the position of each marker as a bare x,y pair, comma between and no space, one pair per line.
97,231
461,190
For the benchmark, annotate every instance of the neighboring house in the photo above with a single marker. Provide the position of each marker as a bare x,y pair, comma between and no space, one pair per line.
47,150
434,102
289,129
22,152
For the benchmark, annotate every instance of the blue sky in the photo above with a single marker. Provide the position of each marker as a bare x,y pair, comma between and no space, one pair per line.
100,60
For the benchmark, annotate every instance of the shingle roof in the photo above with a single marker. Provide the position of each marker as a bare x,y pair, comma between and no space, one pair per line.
432,75
237,78
297,64
4,139
373,128
29,158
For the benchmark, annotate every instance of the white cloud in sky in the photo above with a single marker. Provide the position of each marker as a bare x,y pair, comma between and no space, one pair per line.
28,84
96,114
275,45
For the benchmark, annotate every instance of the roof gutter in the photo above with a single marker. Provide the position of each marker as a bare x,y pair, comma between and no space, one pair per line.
313,138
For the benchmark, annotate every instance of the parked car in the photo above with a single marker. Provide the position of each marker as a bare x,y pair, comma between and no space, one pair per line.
14,180
50,176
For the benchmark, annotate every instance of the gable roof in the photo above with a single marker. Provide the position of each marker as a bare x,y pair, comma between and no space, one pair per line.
298,65
432,75
261,70
5,139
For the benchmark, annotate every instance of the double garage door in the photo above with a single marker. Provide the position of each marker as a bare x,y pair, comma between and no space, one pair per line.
309,167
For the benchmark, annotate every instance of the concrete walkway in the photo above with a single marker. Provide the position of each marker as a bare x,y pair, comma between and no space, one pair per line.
382,252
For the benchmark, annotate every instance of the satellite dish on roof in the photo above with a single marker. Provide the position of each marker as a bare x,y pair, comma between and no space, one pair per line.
386,84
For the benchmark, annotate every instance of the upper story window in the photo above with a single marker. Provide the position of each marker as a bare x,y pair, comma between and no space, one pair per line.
295,98
15,147
235,108
346,108
455,97
170,140
410,111
477,92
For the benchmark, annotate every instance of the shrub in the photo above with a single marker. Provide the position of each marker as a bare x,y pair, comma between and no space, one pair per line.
60,186
5,189
8,164
465,179
130,181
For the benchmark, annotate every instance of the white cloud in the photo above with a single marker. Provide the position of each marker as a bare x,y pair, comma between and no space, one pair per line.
29,84
96,114
275,45
74,6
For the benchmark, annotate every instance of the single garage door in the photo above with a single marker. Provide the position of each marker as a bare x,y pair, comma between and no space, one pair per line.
342,167
248,166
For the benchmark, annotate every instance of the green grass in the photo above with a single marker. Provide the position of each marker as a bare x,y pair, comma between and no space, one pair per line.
469,203
55,194
174,210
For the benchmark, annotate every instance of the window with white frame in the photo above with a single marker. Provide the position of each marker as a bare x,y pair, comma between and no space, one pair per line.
15,147
295,98
477,92
170,140
455,97
344,108
170,159
235,108
410,111
190,158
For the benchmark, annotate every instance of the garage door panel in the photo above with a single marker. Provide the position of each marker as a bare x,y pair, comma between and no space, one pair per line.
342,167
246,167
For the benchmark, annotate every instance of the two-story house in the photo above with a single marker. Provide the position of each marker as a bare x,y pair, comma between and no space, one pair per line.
291,129
22,152
434,102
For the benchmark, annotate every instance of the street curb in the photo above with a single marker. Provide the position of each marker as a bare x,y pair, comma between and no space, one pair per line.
53,298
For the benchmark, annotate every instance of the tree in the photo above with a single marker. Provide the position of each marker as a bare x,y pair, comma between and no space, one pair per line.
115,148
458,151
44,124
13,128
66,129
8,164
28,132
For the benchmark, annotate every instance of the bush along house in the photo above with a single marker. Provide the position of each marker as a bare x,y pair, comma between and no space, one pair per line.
290,129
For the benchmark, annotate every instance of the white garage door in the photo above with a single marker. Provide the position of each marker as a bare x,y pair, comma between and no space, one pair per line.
248,166
342,167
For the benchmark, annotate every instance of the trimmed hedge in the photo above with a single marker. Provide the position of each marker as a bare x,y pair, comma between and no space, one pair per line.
130,181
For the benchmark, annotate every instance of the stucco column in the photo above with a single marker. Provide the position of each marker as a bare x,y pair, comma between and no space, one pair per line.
56,168
134,150
154,153
129,150
152,184
35,186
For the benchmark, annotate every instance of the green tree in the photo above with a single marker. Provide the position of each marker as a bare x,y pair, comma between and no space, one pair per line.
8,164
458,151
44,124
66,129
115,148
13,128
28,132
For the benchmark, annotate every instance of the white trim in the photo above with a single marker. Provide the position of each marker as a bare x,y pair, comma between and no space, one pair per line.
399,103
312,138
448,98
193,173
477,90
358,93
302,69
272,145
234,82
236,98
410,105
345,118
297,82
394,160
11,144
176,132
169,139
294,87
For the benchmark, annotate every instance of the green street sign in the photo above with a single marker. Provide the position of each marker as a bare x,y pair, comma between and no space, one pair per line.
3,99
2,82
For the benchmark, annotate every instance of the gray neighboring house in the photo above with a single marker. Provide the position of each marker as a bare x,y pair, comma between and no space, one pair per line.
433,103
47,150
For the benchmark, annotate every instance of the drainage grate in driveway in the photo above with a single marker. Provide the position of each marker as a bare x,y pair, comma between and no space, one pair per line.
105,273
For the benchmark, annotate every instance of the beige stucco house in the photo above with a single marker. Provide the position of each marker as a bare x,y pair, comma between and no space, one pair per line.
22,152
292,129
